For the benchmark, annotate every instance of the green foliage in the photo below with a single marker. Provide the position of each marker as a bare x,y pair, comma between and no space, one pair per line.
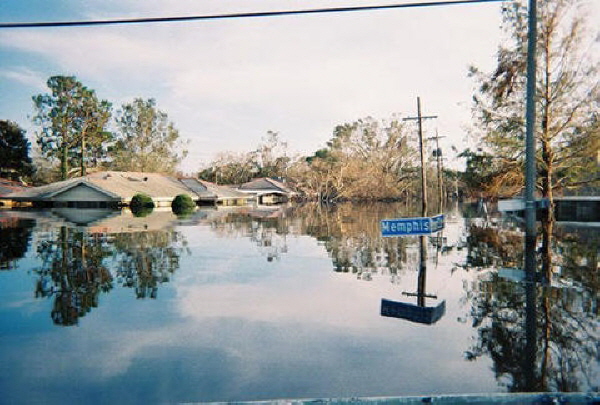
146,141
141,200
141,205
183,201
183,205
14,151
73,124
323,154
73,132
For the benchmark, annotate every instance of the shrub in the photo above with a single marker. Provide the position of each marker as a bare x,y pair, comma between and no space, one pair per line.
183,205
141,200
141,205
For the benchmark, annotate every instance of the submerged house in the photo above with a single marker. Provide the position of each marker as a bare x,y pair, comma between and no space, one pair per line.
578,209
267,190
214,194
566,209
116,189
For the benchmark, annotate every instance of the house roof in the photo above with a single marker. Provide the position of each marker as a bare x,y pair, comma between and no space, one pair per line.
223,192
9,186
122,186
48,191
128,184
85,183
198,188
115,185
265,184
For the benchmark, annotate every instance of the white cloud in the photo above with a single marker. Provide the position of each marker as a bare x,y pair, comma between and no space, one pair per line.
226,83
25,76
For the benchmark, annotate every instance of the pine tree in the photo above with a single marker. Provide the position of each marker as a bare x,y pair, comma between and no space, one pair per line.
73,124
14,151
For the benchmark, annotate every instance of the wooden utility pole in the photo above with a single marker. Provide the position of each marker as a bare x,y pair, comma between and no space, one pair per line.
419,118
440,169
82,158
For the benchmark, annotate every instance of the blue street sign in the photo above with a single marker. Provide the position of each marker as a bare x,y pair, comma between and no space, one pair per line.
411,226
437,223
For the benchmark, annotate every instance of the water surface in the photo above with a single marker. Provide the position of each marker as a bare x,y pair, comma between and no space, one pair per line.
285,302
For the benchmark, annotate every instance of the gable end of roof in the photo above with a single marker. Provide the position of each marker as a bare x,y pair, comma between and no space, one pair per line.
83,182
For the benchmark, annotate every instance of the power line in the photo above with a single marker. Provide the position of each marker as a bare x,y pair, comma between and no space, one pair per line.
238,15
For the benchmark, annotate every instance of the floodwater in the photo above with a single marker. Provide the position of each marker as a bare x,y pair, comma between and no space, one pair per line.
265,303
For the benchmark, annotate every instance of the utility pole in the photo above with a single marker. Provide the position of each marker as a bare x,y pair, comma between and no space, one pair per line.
440,169
530,169
82,169
419,118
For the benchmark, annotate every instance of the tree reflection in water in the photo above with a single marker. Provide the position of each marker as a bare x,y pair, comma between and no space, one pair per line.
144,260
15,236
72,272
349,232
542,334
351,235
77,266
266,227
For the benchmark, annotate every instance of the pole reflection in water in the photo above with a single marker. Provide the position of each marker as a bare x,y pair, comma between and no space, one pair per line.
538,326
530,336
419,313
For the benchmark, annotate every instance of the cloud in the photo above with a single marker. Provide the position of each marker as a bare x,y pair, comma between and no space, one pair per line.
25,76
226,83
97,54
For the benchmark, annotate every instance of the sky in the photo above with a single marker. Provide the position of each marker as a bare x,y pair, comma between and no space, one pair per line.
226,83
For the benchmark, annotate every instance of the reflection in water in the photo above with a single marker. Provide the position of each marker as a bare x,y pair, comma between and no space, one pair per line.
266,227
350,234
144,260
352,237
420,312
80,263
15,235
542,332
72,272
